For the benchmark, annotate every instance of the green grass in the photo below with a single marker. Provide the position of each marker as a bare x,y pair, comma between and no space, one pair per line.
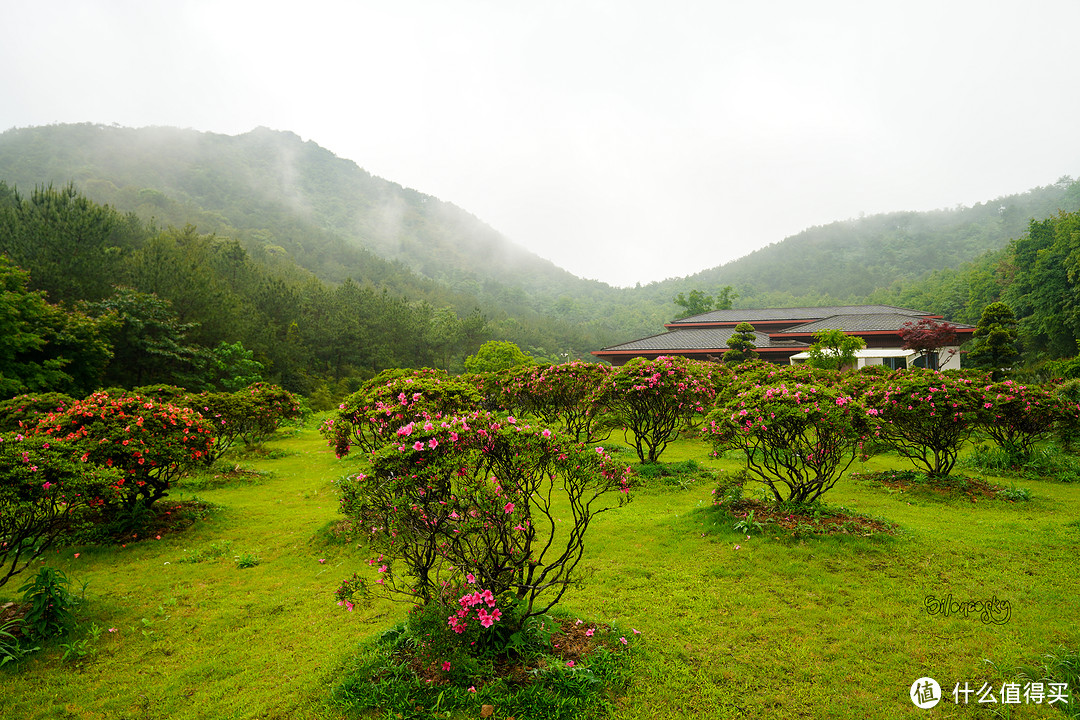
782,628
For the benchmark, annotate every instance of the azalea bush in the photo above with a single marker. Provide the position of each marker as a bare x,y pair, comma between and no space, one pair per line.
148,443
22,413
562,396
369,417
797,439
250,415
926,416
479,504
655,399
1020,416
45,496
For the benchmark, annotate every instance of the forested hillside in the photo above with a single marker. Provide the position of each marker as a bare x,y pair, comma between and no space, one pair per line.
274,193
248,236
855,260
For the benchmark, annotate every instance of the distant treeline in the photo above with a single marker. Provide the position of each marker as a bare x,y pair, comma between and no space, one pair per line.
105,299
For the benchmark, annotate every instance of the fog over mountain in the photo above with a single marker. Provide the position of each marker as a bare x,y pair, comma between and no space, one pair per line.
628,142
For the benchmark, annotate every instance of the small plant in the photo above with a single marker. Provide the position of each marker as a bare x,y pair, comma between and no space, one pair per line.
11,650
729,491
51,612
1061,667
81,649
553,667
1015,494
747,525
247,560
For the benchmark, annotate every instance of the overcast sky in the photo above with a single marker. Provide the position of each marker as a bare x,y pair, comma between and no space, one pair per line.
626,141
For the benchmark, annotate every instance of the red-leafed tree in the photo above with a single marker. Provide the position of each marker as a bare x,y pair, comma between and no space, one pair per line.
926,337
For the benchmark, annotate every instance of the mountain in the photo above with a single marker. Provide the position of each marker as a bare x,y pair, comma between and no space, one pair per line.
277,194
272,183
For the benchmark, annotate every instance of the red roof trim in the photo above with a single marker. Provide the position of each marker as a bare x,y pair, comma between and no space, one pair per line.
695,351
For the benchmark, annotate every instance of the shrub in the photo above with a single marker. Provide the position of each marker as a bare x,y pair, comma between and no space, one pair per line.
369,417
45,495
563,396
148,443
926,416
23,412
476,502
1018,416
796,439
250,415
655,399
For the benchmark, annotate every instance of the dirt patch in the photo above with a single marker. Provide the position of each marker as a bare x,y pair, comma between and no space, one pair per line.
810,520
947,488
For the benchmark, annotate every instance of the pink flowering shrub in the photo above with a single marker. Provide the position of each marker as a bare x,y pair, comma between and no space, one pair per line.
483,503
1019,416
655,399
926,416
563,396
795,438
22,413
368,418
45,494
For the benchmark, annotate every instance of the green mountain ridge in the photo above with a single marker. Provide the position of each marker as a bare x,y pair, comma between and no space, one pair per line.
278,194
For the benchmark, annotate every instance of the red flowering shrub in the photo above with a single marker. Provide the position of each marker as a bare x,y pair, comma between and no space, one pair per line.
147,442
655,399
477,502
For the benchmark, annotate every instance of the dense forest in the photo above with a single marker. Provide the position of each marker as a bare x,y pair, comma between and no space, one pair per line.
170,253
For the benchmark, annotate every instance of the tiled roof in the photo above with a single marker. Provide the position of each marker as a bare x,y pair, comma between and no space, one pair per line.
867,322
800,313
696,339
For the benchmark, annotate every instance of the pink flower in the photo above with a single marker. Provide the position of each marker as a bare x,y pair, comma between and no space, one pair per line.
508,508
112,629
569,663
590,632
418,445
446,665
472,688
470,578
622,640
322,560
433,443
46,486
546,433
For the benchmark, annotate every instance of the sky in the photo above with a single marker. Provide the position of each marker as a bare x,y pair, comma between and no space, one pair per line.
626,141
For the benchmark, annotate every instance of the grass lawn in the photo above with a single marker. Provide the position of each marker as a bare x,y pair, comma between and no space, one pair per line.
766,627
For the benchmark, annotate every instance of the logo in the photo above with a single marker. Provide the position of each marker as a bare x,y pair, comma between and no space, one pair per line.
925,693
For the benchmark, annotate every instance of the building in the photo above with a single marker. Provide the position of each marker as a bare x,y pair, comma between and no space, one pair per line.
785,334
